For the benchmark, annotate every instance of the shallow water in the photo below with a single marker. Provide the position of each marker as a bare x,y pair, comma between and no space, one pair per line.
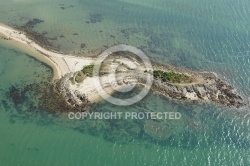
196,34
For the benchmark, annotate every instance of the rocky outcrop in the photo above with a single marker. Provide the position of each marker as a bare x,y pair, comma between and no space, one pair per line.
62,88
216,91
213,91
202,86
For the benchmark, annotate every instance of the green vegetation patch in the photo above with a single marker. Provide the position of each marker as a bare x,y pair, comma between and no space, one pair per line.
88,70
80,76
171,77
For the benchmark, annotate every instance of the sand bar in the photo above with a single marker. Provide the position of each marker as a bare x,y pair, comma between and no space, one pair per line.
60,63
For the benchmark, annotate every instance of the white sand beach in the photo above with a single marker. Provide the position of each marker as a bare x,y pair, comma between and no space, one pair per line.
60,63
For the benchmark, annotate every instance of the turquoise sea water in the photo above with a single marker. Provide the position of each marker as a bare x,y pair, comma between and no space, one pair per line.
195,34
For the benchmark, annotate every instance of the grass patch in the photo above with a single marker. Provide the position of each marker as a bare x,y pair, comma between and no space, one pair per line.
171,77
88,70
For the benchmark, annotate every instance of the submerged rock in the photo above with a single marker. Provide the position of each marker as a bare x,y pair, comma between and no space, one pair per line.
157,131
15,95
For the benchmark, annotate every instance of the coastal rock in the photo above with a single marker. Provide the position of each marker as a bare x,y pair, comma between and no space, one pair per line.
214,90
217,92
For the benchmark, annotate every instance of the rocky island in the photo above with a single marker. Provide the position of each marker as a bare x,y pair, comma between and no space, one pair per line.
75,79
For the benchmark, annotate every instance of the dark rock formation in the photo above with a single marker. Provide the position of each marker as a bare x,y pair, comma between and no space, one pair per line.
31,23
15,95
60,99
83,45
216,92
39,38
94,18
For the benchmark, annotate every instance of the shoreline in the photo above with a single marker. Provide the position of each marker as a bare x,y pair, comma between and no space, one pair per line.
34,54
10,41
61,64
